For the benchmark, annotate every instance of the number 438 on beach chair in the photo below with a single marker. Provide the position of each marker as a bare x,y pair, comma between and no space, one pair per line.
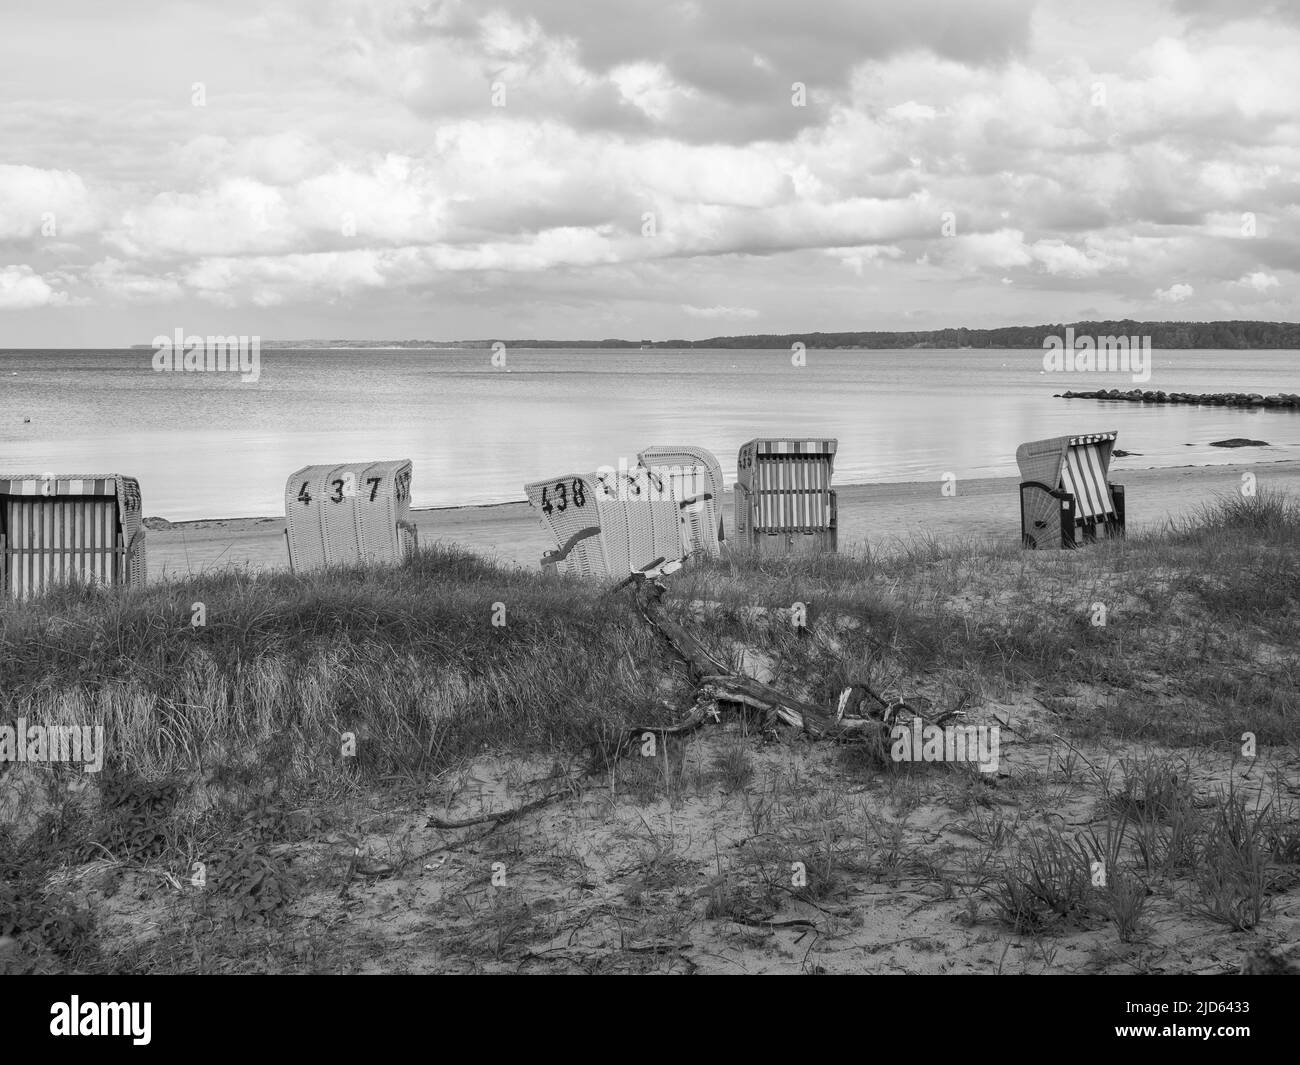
350,513
1065,496
606,524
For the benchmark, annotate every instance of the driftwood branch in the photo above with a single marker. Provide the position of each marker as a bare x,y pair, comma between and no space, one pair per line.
715,686
687,647
506,815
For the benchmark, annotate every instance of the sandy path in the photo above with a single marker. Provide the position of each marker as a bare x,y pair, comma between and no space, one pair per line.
876,512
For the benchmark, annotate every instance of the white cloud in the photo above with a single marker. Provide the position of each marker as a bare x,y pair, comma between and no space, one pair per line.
1177,293
47,203
350,147
1058,257
115,278
855,258
719,312
22,288
1001,249
650,88
1259,281
911,110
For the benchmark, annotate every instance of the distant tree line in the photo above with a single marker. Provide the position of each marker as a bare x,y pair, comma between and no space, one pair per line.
1163,335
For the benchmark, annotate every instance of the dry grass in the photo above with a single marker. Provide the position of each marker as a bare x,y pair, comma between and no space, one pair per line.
232,753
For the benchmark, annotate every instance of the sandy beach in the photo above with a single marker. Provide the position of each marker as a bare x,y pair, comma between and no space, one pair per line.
876,513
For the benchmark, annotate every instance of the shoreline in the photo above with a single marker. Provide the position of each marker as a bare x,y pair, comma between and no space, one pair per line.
876,512
201,523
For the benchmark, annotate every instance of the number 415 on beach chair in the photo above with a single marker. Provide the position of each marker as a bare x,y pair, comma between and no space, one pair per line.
350,513
1065,496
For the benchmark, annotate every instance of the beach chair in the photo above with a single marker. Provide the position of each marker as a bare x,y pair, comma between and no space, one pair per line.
784,502
56,528
694,478
607,524
1065,497
349,513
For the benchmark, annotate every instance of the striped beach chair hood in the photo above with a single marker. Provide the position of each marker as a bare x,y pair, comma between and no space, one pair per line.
1079,465
56,530
790,480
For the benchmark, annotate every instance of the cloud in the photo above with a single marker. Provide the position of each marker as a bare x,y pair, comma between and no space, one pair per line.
855,258
913,111
351,153
1177,293
719,312
1219,11
1058,257
1259,281
115,278
702,71
38,202
21,288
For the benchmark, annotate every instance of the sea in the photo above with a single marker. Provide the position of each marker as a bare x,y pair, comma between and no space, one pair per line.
208,445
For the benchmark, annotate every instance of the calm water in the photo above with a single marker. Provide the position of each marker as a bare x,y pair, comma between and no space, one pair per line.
206,445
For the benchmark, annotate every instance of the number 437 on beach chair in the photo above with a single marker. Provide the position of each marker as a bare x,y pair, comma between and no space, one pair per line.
56,528
350,513
1065,497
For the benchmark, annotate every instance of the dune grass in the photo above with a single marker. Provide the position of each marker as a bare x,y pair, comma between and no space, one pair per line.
435,659
299,689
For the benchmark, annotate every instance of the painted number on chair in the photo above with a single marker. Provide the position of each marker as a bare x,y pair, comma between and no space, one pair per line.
374,486
562,497
345,486
304,496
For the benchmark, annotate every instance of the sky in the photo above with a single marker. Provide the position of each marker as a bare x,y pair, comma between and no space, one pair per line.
302,169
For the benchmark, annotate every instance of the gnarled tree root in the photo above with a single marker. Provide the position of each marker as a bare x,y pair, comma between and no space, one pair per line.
859,709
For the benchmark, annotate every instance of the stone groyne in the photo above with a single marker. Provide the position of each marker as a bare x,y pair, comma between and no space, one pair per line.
1213,399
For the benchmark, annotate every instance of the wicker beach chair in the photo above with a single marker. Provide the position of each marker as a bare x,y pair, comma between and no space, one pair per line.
64,527
784,502
352,512
1065,497
606,524
694,478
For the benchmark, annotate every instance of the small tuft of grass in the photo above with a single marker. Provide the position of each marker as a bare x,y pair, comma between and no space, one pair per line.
1123,901
734,766
1047,882
1232,876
